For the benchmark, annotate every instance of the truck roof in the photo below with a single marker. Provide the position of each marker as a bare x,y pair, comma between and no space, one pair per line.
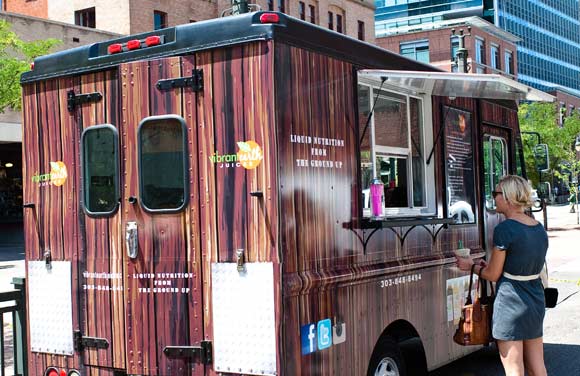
219,32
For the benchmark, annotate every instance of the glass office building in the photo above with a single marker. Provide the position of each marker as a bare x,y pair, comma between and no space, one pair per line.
549,53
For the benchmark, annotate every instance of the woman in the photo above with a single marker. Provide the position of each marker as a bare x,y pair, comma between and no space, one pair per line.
520,245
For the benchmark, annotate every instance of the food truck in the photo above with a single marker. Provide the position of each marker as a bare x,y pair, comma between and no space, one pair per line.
198,202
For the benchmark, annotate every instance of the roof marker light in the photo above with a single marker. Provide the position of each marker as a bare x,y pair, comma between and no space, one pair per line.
115,48
32,66
269,18
133,44
153,40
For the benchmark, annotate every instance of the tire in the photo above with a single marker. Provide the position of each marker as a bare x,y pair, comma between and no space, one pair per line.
387,360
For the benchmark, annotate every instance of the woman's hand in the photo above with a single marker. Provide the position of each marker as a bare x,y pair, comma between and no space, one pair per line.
464,263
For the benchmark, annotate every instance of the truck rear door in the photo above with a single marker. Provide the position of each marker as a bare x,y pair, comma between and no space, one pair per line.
160,226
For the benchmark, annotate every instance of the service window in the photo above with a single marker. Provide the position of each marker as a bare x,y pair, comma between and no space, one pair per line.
100,169
393,149
495,164
163,178
459,171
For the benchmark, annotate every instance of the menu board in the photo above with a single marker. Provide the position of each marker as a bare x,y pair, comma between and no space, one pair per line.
459,165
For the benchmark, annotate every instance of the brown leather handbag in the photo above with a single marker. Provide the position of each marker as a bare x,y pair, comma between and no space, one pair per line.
475,322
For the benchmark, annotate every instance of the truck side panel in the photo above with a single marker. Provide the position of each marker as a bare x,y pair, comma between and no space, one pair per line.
328,273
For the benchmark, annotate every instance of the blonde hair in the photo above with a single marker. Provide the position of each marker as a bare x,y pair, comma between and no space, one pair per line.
516,190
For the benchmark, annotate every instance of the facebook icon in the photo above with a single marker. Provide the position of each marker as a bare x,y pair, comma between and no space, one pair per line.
308,338
324,334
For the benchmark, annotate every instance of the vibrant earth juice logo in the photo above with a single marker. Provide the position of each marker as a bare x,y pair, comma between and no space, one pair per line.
57,175
249,156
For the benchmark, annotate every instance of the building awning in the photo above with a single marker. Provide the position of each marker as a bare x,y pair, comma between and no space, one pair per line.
446,84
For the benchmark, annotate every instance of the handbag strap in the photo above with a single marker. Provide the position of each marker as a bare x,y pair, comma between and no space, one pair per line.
483,286
468,299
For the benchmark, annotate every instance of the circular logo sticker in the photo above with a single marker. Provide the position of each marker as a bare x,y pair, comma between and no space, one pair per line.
58,173
250,154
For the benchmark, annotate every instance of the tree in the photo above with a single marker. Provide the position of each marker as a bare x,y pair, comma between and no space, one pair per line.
542,118
15,58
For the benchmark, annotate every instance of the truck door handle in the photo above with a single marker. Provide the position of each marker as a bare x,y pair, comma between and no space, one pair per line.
131,239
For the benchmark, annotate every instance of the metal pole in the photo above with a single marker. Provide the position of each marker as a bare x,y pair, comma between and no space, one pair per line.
545,213
577,214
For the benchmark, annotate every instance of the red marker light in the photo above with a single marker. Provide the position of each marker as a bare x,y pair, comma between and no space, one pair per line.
133,44
153,40
269,18
115,48
32,66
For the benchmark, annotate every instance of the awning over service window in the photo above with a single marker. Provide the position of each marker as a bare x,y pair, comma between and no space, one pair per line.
445,84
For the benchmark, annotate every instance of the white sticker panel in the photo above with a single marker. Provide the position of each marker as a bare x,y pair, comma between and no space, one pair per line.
243,319
50,307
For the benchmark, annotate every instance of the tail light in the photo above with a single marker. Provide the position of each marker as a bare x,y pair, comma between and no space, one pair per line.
51,371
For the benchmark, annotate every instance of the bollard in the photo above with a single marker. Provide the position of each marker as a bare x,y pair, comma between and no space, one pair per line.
20,344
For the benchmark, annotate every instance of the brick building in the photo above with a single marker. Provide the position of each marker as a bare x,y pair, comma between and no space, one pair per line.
351,17
490,49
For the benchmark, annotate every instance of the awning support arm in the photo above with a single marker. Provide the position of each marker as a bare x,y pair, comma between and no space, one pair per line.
383,79
438,136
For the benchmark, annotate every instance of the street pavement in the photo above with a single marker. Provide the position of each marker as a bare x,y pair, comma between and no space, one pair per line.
562,323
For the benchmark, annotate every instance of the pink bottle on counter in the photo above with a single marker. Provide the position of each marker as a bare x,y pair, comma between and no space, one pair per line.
377,197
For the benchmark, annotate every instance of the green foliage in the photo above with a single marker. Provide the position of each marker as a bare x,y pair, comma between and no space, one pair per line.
543,118
15,58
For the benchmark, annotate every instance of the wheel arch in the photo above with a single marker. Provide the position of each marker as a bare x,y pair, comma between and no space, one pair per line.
410,344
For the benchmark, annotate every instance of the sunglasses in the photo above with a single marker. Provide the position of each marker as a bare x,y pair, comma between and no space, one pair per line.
495,194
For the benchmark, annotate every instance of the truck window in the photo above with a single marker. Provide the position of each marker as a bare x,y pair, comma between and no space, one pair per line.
495,163
100,168
393,150
162,163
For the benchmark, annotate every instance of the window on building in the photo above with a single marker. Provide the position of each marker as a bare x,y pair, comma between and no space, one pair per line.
393,150
302,10
271,5
100,169
361,30
509,62
479,55
339,23
159,20
495,59
281,6
163,157
85,17
312,14
330,21
418,50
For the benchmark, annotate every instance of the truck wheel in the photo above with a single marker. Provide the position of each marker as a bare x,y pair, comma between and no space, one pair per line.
387,360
